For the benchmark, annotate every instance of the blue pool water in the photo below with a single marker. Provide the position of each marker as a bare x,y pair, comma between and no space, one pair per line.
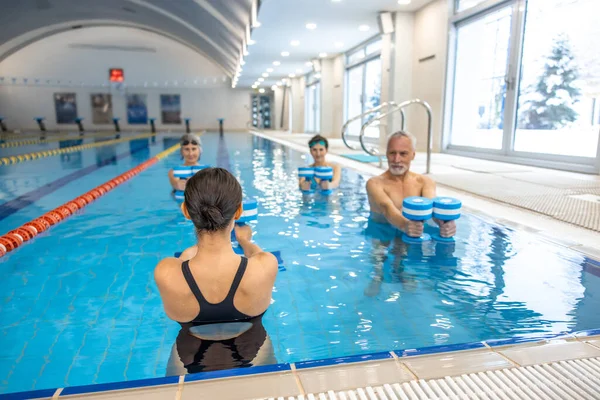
79,304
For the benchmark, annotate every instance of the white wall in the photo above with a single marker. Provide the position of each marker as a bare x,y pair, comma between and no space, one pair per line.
403,62
327,83
297,87
337,93
428,77
152,64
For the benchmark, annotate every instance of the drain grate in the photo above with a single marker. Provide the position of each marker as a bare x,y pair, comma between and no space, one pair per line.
568,204
587,197
573,379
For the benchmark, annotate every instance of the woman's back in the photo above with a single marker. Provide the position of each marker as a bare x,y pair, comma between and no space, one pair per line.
216,289
209,282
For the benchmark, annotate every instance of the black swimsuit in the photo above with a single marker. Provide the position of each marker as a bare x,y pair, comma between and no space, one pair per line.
224,311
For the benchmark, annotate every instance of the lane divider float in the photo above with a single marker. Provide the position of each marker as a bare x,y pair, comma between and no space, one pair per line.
26,232
26,142
48,134
48,153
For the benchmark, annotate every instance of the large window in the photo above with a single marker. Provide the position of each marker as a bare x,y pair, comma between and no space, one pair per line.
525,82
560,78
312,99
363,83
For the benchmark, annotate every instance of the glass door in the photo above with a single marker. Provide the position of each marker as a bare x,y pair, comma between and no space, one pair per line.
482,52
355,98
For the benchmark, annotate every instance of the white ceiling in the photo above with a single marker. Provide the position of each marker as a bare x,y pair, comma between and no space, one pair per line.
214,28
285,20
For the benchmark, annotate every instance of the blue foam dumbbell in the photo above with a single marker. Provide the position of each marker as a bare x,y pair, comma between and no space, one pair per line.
416,208
324,174
249,213
446,209
187,171
308,173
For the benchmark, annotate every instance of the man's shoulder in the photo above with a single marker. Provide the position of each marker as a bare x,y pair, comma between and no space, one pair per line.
376,181
419,177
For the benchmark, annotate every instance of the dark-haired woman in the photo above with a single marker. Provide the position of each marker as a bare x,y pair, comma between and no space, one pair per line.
318,150
210,283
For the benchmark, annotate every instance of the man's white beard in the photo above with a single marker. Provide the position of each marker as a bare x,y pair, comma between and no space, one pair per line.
398,171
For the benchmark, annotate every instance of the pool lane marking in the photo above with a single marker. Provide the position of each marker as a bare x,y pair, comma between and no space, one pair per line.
18,203
47,153
223,160
17,237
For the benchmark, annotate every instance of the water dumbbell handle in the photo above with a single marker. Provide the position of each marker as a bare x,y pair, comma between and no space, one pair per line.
417,208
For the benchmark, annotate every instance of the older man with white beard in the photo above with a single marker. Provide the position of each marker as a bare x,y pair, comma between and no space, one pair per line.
388,190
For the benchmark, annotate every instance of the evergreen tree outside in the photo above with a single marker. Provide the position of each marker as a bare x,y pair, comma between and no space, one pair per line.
548,105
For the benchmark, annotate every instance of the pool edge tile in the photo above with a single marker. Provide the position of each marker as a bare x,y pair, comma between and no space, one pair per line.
327,362
439,349
232,373
35,394
123,385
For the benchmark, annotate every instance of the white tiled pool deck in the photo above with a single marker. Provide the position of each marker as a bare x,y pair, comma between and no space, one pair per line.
523,368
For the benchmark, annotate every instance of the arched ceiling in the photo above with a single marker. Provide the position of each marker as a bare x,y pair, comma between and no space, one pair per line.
214,28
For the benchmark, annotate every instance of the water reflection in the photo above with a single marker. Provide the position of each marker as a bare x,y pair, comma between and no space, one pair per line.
491,283
72,160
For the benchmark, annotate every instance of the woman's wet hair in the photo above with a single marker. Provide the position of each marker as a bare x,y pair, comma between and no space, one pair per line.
190,138
318,139
212,196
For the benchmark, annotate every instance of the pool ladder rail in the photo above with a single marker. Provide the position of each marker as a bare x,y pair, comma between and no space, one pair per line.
385,110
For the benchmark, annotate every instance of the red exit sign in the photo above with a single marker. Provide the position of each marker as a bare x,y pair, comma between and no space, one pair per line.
116,75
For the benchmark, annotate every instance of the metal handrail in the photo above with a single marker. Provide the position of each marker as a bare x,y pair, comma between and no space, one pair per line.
400,107
372,110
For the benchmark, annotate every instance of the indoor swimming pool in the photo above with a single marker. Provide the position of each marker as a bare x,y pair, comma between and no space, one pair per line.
80,306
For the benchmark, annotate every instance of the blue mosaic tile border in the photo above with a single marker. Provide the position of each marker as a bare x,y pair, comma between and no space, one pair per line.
34,394
172,380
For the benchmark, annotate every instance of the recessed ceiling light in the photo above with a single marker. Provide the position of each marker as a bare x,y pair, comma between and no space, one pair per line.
261,90
403,2
295,43
246,52
338,44
273,87
364,28
336,1
254,86
292,75
285,53
308,64
311,25
269,69
251,42
317,76
298,71
276,63
261,79
242,62
256,24
265,75
279,83
322,55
